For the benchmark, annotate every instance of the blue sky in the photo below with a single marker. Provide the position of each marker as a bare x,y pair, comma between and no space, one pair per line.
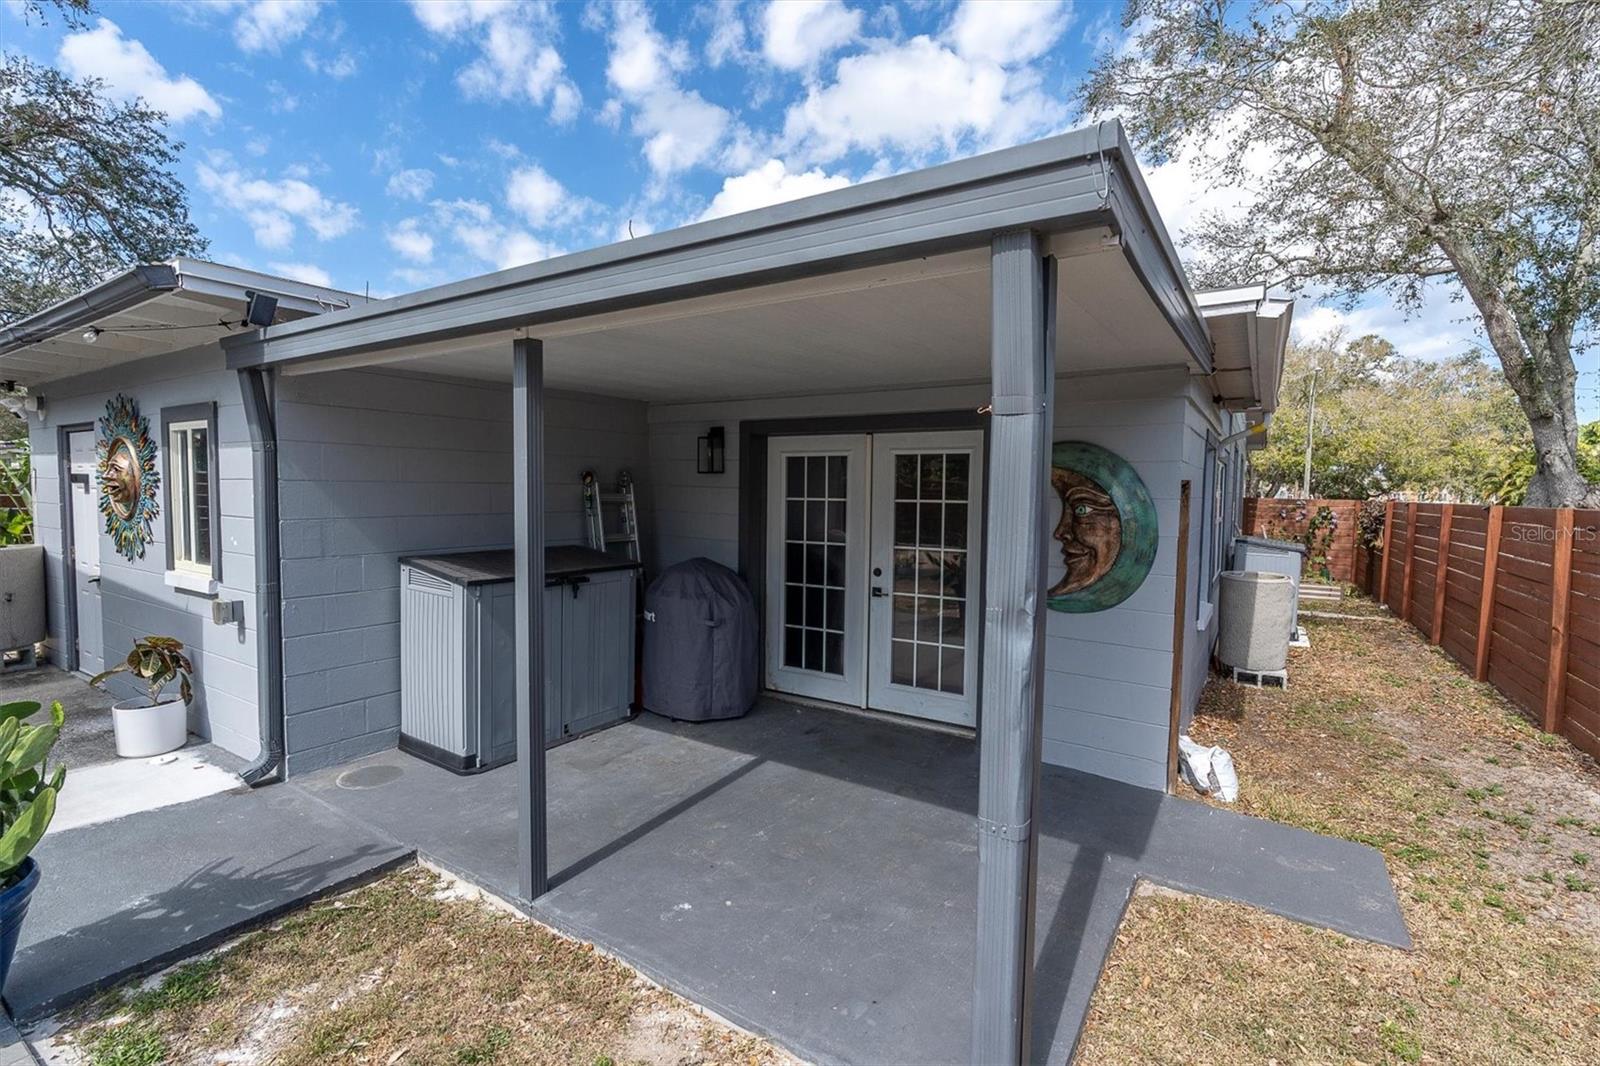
391,146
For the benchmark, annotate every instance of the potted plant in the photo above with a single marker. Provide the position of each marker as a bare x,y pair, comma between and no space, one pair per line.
154,726
27,802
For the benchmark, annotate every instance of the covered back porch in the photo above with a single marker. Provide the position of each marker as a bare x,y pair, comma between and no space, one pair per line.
865,851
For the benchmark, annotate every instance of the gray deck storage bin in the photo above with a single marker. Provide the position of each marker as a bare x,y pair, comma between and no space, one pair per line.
1269,556
701,643
458,658
22,611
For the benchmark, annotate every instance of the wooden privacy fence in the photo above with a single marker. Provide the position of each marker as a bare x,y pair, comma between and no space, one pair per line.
1511,593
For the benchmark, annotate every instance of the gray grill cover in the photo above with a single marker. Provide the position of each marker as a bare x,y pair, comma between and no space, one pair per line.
701,643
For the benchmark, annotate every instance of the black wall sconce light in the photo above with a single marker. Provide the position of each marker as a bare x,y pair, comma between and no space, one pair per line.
712,457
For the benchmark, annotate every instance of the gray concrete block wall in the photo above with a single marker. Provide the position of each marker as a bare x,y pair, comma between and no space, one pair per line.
1108,681
135,599
374,465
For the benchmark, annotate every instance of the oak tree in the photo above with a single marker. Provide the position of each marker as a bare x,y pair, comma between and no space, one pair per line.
1385,143
88,185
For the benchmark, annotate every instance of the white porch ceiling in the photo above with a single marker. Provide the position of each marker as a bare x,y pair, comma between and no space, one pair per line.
923,322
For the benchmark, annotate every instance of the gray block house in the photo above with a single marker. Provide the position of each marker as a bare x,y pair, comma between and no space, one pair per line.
957,321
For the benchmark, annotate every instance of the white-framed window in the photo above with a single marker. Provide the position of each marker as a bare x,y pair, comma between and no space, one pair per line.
193,538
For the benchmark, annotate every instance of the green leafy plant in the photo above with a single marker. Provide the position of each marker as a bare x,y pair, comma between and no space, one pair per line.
16,495
28,788
157,662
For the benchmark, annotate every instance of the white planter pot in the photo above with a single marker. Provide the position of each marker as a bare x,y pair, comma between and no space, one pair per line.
143,730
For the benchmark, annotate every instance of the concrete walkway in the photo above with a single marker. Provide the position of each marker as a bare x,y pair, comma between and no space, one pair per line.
810,875
129,896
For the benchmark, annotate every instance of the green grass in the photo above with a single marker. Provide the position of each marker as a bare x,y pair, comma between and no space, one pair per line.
189,985
487,1047
134,1043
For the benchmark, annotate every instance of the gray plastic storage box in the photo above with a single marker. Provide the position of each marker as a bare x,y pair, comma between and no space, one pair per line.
701,643
22,611
1269,556
458,657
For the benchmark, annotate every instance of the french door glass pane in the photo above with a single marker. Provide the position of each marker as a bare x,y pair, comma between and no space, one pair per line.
928,626
815,562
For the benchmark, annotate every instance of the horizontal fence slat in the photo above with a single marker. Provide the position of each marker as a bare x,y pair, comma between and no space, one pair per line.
1495,601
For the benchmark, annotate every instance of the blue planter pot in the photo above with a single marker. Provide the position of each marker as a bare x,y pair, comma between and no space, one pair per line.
14,908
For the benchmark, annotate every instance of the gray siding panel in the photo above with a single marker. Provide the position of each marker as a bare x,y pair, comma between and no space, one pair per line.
1107,688
135,599
374,465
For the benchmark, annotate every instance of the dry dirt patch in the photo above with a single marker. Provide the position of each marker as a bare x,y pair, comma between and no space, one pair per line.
1491,831
404,971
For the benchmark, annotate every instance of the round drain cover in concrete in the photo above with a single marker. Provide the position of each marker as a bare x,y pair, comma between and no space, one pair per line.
368,776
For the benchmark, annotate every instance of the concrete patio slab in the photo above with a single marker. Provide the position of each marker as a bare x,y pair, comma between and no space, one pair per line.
129,896
107,791
86,738
810,874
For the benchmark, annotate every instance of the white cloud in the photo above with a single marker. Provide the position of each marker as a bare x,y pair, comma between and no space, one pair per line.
770,183
1185,188
1008,31
273,208
797,34
921,98
413,184
679,127
517,57
410,241
473,225
309,273
727,37
268,25
338,66
1441,328
536,196
130,71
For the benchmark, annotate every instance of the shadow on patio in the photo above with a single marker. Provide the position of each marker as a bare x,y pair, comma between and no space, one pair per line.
811,874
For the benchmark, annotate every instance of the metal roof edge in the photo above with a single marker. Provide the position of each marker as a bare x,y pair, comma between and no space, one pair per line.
1062,149
117,293
1158,227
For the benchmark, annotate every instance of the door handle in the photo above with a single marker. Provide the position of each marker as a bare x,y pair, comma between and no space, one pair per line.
877,591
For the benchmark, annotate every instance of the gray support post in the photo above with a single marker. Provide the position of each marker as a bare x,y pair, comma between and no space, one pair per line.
1023,373
527,443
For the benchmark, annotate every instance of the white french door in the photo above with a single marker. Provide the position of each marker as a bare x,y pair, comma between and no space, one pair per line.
816,566
872,570
927,521
84,514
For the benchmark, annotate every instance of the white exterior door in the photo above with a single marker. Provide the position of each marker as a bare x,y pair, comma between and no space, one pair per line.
868,577
927,521
817,567
84,566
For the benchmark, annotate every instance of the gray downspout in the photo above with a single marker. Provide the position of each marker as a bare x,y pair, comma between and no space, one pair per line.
269,765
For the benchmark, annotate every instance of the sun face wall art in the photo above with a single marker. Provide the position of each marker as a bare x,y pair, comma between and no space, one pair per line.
1107,528
129,484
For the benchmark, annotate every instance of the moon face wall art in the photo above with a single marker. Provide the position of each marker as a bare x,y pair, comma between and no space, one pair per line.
1107,529
129,483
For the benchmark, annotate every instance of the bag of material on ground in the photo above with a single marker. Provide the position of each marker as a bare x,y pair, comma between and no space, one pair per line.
701,643
1208,770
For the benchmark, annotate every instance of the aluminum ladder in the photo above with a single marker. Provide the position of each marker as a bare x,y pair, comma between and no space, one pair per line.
622,501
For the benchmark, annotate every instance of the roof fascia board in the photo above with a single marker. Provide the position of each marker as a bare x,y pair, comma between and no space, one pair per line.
948,220
229,282
128,289
1060,183
1177,299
